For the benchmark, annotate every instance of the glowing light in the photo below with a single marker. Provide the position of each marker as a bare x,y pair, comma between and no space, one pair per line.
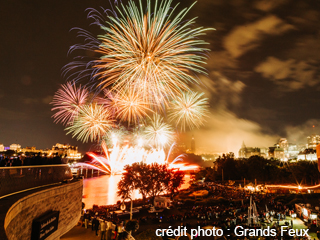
113,161
313,216
297,187
305,212
114,139
140,142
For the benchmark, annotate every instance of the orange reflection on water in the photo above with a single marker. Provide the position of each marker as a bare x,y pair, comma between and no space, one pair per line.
103,190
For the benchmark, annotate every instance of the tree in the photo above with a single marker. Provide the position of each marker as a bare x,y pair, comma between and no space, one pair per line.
128,182
176,180
151,180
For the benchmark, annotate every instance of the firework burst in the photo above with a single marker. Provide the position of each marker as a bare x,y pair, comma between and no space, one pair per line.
189,109
152,51
159,134
92,123
129,106
68,100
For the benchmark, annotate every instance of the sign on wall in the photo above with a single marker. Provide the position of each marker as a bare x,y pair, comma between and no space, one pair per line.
45,225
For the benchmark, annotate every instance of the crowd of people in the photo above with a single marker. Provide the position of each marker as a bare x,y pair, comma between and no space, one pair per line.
107,226
225,215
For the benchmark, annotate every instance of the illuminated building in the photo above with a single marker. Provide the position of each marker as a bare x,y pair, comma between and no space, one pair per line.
313,141
193,145
271,152
293,151
243,151
246,152
264,152
308,154
283,143
15,147
33,150
210,157
64,150
279,153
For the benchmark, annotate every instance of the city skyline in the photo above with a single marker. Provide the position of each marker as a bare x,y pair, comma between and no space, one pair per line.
261,70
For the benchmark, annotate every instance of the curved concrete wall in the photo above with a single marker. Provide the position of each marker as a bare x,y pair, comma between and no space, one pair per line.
66,198
14,179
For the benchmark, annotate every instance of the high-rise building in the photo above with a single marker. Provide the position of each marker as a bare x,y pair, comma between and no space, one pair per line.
312,141
193,145
293,151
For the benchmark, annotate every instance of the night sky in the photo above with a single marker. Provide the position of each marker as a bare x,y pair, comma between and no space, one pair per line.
263,69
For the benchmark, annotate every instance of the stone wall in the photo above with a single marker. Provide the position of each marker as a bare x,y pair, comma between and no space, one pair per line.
66,198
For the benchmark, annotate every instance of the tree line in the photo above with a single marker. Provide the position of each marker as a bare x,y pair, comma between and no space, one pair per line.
261,169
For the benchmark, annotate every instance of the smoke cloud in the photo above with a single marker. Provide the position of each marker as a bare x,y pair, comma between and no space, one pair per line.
224,131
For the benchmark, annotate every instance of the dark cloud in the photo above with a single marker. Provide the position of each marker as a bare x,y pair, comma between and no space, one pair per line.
269,5
290,74
247,37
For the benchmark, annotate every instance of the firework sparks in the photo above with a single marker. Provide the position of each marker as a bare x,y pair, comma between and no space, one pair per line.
114,161
146,56
68,100
129,106
189,109
159,134
154,52
92,123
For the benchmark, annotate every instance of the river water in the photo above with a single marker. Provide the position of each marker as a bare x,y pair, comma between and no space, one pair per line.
103,190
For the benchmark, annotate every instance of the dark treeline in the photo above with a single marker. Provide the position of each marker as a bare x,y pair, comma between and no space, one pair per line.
262,170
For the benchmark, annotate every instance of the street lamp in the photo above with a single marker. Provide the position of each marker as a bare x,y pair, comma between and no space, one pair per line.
123,206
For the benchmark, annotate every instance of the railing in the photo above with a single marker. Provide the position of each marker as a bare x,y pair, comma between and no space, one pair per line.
15,179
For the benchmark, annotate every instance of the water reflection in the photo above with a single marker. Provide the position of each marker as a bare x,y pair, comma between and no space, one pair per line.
103,190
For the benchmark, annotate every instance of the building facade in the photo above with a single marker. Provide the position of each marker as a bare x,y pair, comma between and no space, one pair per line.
15,147
65,150
312,141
